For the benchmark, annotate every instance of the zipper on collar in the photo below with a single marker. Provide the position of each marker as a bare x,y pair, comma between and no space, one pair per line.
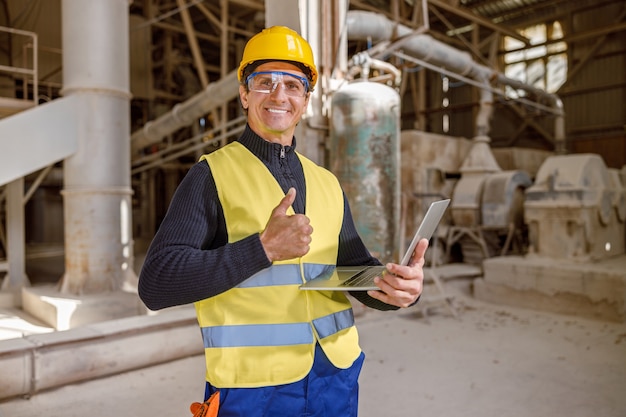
282,152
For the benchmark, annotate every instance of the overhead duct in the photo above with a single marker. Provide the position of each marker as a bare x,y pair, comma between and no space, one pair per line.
376,27
369,26
185,113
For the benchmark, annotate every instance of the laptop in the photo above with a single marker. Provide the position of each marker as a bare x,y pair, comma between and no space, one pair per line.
361,278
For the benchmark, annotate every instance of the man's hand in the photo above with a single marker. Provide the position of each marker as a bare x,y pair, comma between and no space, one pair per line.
286,237
404,284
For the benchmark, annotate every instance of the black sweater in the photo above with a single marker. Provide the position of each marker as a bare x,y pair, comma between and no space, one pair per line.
191,244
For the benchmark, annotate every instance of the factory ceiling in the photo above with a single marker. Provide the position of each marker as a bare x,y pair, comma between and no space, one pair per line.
196,42
459,22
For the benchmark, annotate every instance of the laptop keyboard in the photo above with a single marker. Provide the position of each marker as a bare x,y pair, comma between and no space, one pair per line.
364,277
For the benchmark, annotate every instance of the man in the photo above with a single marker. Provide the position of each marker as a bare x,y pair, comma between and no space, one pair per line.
247,225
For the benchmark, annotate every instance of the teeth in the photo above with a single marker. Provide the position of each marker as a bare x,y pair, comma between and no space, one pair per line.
276,111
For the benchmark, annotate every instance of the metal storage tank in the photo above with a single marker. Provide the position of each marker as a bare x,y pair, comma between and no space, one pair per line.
365,155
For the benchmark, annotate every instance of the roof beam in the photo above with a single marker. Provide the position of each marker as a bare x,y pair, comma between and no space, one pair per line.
468,14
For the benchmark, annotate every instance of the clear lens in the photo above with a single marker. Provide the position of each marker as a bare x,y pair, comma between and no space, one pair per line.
267,82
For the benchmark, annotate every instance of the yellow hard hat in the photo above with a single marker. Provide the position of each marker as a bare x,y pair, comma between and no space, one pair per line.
278,43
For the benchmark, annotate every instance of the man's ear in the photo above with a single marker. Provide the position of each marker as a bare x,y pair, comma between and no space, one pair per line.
243,97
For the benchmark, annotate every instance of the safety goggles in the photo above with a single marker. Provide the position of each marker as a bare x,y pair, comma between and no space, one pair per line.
267,82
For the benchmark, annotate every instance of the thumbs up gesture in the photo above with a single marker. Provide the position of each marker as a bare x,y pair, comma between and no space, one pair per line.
285,236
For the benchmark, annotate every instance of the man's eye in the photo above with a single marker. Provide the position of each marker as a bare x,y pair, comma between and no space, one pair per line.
292,85
264,82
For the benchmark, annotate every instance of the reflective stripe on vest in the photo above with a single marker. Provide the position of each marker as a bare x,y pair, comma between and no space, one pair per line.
288,274
257,335
263,332
276,334
331,324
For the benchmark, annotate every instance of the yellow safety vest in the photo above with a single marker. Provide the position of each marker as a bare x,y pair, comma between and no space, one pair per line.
263,332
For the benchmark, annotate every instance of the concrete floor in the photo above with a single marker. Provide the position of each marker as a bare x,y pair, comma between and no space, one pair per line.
489,361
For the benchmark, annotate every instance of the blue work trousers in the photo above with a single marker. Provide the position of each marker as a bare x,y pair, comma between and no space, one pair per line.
325,392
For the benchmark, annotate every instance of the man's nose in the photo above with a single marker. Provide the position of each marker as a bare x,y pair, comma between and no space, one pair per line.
278,88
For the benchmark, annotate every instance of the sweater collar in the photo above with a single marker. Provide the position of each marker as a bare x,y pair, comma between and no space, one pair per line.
264,150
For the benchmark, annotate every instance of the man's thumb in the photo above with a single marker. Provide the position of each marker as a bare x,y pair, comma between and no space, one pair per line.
286,202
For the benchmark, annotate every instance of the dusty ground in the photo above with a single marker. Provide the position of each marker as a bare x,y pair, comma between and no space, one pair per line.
490,361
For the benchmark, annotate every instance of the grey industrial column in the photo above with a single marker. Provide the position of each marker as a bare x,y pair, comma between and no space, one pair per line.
97,192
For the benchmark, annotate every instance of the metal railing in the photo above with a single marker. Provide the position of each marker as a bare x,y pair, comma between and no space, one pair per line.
24,70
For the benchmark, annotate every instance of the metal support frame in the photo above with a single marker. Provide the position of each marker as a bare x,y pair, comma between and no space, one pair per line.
10,105
13,233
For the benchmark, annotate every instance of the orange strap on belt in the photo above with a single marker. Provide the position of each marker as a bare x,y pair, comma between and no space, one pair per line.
208,408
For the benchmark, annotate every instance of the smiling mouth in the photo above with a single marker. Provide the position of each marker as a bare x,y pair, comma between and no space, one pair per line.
279,111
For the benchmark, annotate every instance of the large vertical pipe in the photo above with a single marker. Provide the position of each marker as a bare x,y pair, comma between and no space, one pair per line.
97,192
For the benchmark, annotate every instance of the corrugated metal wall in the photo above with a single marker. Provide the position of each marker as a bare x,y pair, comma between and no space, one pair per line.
594,98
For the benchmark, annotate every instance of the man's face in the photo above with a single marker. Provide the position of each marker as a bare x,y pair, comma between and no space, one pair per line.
274,115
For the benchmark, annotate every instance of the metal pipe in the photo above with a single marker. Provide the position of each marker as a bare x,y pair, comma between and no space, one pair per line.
362,62
185,113
475,83
376,27
364,26
188,146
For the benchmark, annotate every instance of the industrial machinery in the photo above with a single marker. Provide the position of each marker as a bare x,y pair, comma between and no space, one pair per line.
576,209
487,206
